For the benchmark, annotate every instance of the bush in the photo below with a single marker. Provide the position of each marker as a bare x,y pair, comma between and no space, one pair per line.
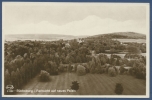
44,76
111,71
81,70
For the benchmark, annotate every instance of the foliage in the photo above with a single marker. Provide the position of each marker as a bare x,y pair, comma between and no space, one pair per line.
118,88
81,70
22,57
112,71
133,49
75,85
44,76
122,69
61,68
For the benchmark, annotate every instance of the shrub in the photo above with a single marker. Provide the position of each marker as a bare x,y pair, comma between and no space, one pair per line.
118,88
111,71
44,76
81,70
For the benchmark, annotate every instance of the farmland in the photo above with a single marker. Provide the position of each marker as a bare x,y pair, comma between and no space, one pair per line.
90,84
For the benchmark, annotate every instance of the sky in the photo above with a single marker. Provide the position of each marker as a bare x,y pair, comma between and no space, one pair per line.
74,18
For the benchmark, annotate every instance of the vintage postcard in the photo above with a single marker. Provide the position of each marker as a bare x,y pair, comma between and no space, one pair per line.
97,50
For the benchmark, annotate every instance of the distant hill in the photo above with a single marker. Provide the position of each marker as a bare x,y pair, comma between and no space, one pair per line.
54,37
124,35
46,37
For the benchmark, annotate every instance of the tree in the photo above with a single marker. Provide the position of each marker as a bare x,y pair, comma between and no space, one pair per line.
14,79
7,80
81,70
18,78
69,68
74,44
118,89
75,85
111,71
44,76
53,68
68,59
133,49
122,70
78,59
117,62
84,50
92,70
7,77
23,78
103,60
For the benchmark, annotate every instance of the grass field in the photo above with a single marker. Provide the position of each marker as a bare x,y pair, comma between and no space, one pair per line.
121,55
132,40
109,55
90,84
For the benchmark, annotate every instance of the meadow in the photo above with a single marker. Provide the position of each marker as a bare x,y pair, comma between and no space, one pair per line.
132,40
90,84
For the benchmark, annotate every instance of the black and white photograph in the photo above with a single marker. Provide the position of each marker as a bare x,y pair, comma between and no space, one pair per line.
65,49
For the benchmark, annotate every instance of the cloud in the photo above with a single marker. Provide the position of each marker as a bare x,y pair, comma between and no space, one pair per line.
90,25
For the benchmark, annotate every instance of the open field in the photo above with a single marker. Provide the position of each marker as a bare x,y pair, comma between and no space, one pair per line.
109,55
121,55
132,40
90,84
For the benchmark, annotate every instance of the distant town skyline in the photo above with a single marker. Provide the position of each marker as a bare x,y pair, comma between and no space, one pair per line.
74,18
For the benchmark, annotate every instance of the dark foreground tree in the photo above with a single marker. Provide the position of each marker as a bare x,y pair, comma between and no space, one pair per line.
75,85
119,89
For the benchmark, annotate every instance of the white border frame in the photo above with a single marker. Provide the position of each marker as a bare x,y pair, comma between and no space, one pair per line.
87,96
